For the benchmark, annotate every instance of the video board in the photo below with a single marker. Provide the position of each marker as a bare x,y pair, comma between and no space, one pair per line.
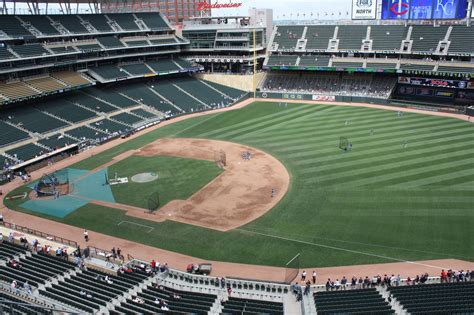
423,9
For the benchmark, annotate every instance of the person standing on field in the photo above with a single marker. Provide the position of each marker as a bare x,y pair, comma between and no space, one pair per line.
86,236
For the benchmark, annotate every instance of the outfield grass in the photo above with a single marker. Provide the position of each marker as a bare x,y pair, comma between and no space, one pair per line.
178,179
378,203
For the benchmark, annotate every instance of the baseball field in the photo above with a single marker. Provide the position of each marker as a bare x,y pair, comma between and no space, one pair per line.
404,192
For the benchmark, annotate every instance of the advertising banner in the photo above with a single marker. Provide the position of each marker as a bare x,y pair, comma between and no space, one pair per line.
364,9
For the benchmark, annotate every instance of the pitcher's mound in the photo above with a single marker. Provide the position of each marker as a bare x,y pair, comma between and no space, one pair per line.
144,177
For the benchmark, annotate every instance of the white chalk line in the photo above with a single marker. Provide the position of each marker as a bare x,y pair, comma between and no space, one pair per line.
133,223
342,249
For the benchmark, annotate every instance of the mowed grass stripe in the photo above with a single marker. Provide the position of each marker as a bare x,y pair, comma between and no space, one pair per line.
408,175
331,134
332,153
372,159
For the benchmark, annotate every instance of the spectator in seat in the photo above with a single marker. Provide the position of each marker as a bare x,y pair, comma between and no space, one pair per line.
353,282
471,276
14,286
176,297
138,300
337,284
27,288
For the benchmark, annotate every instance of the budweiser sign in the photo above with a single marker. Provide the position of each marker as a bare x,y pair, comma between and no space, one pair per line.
203,5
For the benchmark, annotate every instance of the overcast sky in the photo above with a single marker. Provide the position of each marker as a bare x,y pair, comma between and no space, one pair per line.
285,9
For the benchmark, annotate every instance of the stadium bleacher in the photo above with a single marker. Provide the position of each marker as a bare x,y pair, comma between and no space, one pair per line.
30,50
243,306
442,298
138,69
153,20
177,97
12,27
314,61
56,141
360,301
461,39
110,42
351,36
143,113
287,36
66,110
282,60
41,23
70,22
71,78
144,95
33,120
86,133
98,21
109,126
46,84
163,65
125,21
318,36
110,72
126,118
91,103
387,37
426,37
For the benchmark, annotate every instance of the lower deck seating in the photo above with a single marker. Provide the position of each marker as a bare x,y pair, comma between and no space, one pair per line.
163,65
11,134
56,142
27,152
137,69
247,306
86,133
66,110
127,118
33,120
442,298
188,302
109,126
143,94
22,307
362,301
143,113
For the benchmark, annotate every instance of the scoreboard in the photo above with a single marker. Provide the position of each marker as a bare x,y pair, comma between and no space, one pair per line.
423,9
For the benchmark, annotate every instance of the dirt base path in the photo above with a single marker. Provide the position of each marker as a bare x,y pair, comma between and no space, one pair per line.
179,261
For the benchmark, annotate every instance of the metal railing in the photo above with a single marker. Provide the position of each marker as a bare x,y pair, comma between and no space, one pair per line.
37,233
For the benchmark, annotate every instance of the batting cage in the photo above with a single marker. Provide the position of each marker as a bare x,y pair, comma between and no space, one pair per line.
153,202
220,158
55,184
343,143
292,269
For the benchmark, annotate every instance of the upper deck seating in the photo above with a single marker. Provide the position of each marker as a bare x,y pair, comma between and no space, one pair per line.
318,36
110,42
387,37
70,78
153,20
137,69
426,37
287,36
41,23
98,21
351,36
163,65
282,60
71,23
125,21
30,50
462,39
12,27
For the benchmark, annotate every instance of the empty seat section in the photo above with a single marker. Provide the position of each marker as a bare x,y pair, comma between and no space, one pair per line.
143,113
91,103
109,72
163,65
232,92
27,152
11,134
63,49
11,26
462,39
47,84
137,43
41,23
409,66
86,133
314,61
440,298
347,64
137,69
202,92
17,90
318,37
177,97
387,37
426,37
454,69
125,21
287,36
5,54
30,50
282,60
110,42
142,93
351,36
361,301
57,141
162,41
380,65
153,20
112,96
66,110
34,120
127,118
70,78
183,63
89,47
242,306
98,21
109,126
71,23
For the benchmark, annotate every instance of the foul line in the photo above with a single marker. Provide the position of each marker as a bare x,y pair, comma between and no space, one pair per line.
145,226
341,249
